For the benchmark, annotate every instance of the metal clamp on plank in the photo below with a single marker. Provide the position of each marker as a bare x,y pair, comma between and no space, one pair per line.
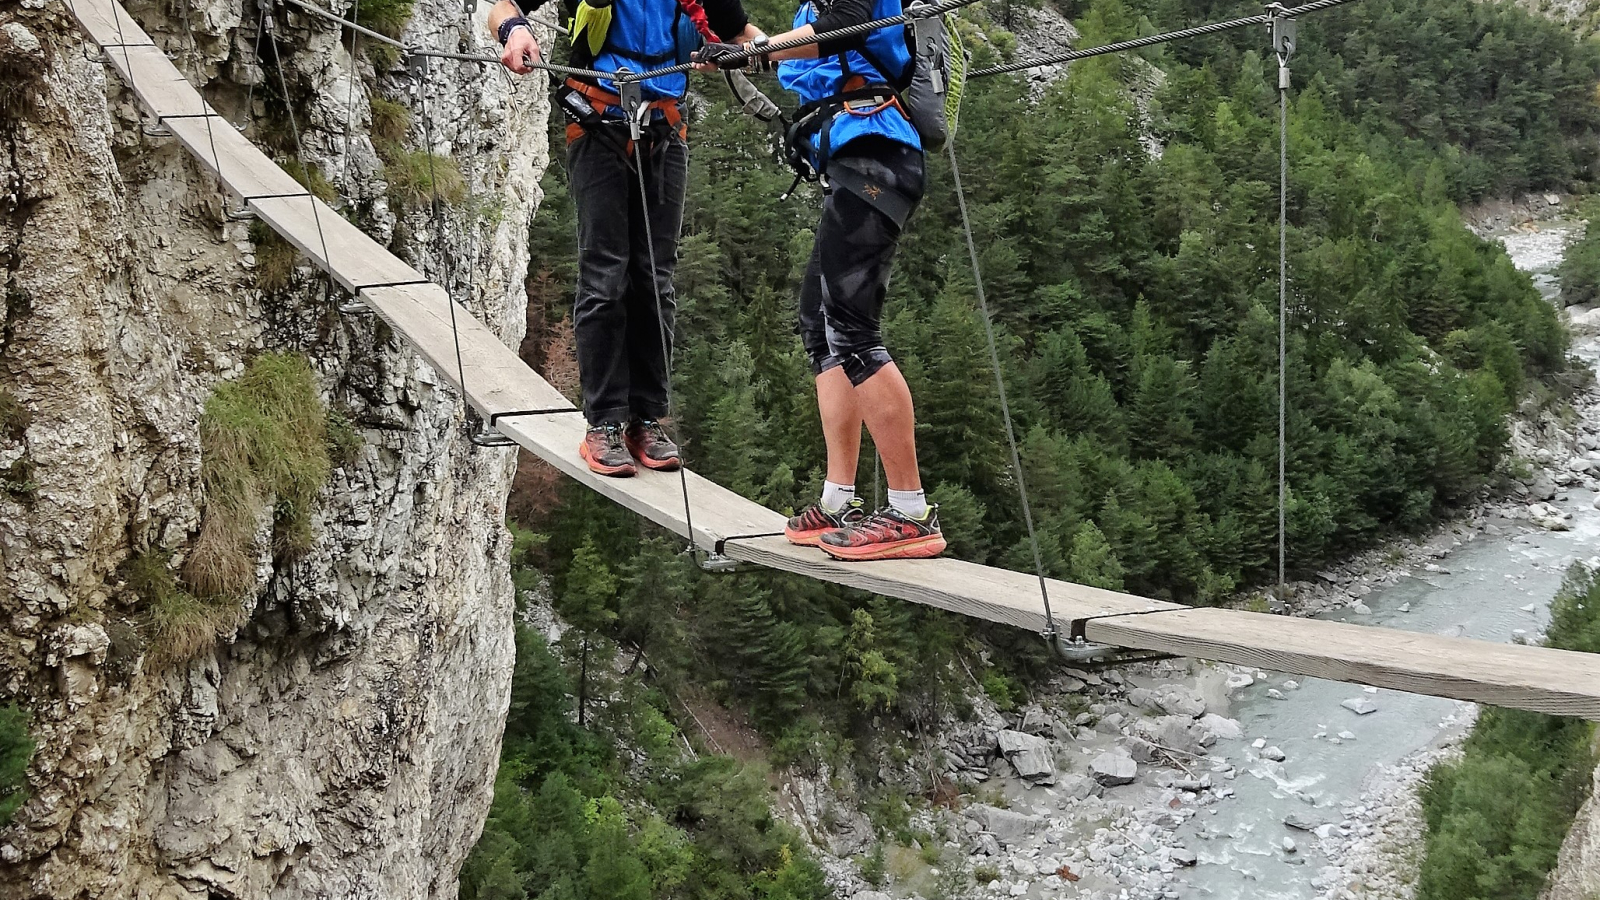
717,560
488,436
1078,648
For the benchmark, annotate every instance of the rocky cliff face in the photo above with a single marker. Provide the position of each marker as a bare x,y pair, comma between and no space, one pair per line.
344,742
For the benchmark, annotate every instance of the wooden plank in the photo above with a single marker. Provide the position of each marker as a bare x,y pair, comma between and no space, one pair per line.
497,379
157,81
335,245
242,168
1532,678
1540,679
108,23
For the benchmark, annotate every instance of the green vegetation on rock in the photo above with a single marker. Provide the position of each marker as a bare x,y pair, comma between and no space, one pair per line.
265,445
16,751
1496,818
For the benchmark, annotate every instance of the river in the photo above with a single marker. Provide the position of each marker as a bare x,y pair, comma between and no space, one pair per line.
1496,586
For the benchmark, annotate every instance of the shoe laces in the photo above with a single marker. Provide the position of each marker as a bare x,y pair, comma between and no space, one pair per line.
613,433
879,522
654,428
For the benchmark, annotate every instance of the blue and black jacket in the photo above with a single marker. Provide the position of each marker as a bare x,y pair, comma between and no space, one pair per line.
880,58
649,34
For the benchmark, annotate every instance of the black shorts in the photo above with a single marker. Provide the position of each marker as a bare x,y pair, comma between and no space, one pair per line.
842,294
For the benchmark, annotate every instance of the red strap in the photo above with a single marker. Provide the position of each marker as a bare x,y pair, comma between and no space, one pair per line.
697,15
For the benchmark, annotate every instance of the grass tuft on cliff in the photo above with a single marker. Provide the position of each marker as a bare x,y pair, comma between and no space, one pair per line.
1496,818
418,178
16,751
265,445
385,16
179,625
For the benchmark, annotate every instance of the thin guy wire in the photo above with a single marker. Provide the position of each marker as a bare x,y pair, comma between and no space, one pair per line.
1000,385
438,230
199,72
299,153
441,54
350,101
661,325
250,95
1152,40
1283,312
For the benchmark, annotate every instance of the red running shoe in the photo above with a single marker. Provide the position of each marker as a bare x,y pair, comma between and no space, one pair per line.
887,534
814,522
606,452
649,444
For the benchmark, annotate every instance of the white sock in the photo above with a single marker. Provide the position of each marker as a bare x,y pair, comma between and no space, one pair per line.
912,503
837,496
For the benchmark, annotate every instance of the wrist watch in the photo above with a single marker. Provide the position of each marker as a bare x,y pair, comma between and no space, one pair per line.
760,62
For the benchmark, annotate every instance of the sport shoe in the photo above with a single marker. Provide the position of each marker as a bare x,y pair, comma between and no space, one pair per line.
649,444
887,534
606,451
814,521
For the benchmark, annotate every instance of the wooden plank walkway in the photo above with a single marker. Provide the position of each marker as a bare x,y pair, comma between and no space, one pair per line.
497,382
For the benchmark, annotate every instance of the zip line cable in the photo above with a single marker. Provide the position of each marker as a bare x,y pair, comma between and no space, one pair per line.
1279,12
1050,632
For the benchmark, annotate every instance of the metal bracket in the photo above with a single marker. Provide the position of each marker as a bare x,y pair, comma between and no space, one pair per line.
717,563
1282,28
157,129
488,437
631,96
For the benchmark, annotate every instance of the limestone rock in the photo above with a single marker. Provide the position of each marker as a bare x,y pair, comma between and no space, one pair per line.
1029,755
1112,769
1009,828
343,742
1361,706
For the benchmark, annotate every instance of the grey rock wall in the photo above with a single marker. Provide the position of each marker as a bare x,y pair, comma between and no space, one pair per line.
344,743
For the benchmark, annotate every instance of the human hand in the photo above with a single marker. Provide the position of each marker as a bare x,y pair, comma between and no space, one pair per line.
712,56
521,51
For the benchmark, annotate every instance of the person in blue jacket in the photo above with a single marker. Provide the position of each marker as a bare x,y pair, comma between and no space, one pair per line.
624,347
862,142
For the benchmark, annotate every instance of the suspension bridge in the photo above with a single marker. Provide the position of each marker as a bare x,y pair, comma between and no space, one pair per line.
517,405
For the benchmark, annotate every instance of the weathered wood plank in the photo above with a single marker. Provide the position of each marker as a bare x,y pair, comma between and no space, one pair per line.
497,379
157,81
1559,682
229,155
336,246
107,23
1525,677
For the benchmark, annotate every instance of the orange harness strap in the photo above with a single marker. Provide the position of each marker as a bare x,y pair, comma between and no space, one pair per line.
603,100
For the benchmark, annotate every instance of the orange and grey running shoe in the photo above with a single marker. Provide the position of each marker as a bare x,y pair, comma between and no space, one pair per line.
649,444
606,451
887,534
814,522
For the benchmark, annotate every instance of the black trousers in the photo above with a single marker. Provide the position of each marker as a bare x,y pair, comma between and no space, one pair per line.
624,343
842,292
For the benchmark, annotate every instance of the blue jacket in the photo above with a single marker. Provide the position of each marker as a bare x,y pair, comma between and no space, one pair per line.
644,35
816,79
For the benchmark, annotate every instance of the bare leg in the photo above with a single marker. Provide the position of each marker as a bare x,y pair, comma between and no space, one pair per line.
841,424
884,401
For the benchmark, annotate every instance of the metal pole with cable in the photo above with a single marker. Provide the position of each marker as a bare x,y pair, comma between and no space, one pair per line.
1283,36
